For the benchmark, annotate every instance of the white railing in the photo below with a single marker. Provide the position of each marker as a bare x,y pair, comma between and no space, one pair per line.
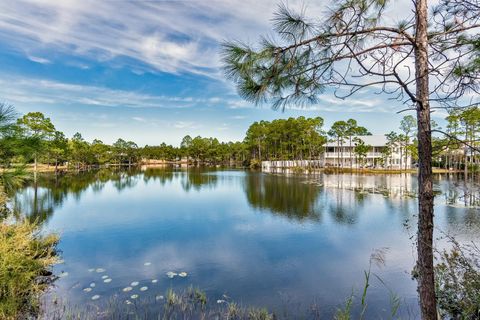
346,155
292,164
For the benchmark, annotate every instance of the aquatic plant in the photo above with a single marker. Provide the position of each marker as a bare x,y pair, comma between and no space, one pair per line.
191,303
197,295
172,298
346,313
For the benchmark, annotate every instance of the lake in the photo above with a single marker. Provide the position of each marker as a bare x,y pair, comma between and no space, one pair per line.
260,239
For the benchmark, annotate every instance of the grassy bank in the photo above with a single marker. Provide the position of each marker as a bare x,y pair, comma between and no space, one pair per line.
26,257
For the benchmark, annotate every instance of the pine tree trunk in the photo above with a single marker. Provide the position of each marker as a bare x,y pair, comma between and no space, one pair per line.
426,285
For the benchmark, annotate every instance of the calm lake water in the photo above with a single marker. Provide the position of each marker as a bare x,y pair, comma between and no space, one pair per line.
260,239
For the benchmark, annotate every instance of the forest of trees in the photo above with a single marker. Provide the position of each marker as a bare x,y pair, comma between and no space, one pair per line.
34,139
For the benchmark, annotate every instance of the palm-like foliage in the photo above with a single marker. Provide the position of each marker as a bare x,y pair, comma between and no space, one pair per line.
349,50
7,118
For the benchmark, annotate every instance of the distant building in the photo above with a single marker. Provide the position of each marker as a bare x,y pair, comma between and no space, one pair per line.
344,155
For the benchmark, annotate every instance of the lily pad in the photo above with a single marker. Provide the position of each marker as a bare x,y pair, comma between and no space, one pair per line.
134,296
158,298
91,270
88,289
143,288
92,285
221,301
154,281
128,302
104,277
96,297
100,270
171,274
127,289
182,274
147,264
134,283
107,280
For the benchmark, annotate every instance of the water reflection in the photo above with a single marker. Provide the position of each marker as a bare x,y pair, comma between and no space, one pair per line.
296,197
252,235
283,195
39,199
463,192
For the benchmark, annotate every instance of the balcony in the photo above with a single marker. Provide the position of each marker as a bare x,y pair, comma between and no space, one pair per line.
346,155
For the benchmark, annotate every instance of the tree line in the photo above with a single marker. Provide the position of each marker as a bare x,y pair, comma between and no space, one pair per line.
33,138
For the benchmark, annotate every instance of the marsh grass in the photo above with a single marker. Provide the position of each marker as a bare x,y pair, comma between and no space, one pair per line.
346,312
191,303
26,257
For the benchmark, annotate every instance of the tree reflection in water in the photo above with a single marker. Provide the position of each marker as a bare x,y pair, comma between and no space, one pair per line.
37,200
283,195
303,198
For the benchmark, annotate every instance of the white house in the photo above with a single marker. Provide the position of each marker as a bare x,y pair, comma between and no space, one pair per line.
341,155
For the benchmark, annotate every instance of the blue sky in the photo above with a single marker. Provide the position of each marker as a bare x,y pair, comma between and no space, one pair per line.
147,71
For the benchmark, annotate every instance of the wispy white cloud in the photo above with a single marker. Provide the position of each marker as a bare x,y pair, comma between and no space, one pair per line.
35,92
39,60
328,103
186,125
39,91
170,36
139,119
223,127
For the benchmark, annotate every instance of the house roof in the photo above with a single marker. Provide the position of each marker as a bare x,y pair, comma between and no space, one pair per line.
373,140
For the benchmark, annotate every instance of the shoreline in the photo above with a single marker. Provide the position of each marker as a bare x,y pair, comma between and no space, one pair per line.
43,168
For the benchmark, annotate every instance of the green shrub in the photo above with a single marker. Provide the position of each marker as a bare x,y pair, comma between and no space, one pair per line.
26,257
255,164
458,283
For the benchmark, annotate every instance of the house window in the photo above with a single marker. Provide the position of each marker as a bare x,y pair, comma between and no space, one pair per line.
330,149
